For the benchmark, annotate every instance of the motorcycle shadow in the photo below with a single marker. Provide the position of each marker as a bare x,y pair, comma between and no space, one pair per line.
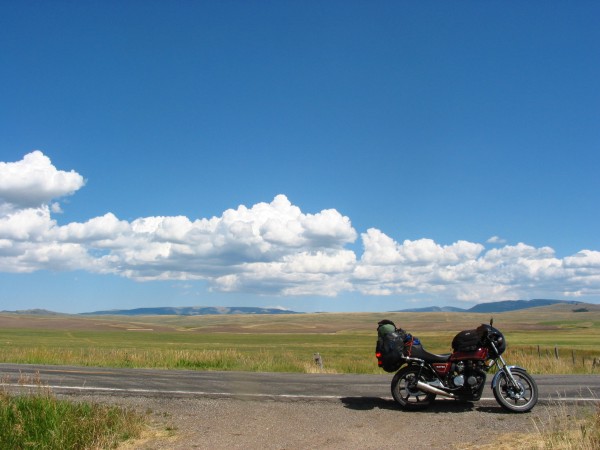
368,403
438,407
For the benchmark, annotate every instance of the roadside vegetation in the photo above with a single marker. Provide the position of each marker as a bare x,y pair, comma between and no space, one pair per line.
566,428
568,433
38,420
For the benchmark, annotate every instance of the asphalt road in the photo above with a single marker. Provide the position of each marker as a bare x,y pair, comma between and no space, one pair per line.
274,386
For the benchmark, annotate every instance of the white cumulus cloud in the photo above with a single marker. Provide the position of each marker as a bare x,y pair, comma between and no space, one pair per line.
34,181
270,247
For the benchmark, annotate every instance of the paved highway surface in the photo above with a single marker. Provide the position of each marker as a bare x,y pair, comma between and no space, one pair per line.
282,386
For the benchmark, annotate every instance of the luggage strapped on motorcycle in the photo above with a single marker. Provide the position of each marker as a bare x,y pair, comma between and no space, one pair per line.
390,346
393,344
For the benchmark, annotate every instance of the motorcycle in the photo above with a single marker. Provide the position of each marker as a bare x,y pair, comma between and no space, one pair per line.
460,375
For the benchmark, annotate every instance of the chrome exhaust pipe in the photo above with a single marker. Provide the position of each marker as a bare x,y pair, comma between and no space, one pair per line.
429,388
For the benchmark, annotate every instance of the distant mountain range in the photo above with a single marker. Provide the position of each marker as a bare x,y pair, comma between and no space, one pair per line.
189,311
494,307
35,312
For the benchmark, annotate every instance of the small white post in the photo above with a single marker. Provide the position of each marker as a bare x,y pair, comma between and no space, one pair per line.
318,360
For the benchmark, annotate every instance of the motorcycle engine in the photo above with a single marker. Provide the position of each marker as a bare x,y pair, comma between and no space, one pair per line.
458,369
467,375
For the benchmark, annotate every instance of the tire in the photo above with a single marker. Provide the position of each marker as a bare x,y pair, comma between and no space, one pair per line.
512,400
410,398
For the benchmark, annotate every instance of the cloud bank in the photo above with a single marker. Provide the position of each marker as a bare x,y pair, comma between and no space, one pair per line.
268,248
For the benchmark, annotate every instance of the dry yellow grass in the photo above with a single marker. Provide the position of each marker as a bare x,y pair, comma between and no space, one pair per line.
568,428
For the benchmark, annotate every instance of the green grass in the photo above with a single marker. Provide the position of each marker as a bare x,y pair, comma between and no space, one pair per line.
245,352
286,343
38,420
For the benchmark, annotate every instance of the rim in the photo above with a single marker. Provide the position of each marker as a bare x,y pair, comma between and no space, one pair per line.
516,399
406,393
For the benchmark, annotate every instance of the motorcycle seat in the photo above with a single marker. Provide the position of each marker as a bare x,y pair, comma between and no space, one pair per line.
419,352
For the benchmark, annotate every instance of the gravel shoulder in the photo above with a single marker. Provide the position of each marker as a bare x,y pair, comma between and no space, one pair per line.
350,423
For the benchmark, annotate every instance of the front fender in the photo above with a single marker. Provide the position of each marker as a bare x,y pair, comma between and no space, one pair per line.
497,376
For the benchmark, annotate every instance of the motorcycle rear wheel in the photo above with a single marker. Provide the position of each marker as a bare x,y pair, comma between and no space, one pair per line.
516,400
408,397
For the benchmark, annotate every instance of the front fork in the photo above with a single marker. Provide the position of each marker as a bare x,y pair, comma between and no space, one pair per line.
504,368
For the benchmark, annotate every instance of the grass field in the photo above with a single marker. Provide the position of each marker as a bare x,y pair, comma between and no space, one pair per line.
287,343
39,420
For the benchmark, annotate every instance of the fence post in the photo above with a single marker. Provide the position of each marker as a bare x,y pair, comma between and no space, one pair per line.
539,353
556,352
318,360
573,356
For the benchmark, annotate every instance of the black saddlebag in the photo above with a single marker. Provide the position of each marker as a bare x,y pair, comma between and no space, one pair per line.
466,341
390,345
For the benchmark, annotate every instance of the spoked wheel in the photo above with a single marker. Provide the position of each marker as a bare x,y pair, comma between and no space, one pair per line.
405,392
519,398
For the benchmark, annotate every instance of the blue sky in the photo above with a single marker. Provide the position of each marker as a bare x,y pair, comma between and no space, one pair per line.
316,156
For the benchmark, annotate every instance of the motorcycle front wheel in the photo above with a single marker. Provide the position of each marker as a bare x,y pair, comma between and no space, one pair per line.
405,392
519,398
